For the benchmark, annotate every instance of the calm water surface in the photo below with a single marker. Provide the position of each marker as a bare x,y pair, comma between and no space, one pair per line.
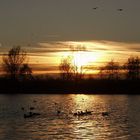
123,122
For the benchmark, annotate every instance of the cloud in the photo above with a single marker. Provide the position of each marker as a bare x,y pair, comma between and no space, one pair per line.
102,45
120,46
45,56
52,47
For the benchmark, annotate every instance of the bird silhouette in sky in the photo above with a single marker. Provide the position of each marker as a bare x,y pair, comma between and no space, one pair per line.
95,8
120,9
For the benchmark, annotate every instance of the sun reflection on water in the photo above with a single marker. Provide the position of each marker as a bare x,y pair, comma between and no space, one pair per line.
121,123
81,102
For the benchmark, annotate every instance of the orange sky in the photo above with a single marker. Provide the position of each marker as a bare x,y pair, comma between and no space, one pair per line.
45,57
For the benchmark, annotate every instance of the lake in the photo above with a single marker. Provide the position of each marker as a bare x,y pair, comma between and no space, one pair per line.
121,123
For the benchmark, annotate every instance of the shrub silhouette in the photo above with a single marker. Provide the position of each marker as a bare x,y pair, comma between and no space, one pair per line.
26,72
132,67
110,70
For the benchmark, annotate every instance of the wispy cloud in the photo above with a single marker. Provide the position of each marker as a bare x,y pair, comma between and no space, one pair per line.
46,56
52,47
93,45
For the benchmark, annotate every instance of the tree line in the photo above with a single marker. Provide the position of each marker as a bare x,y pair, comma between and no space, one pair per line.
111,70
15,65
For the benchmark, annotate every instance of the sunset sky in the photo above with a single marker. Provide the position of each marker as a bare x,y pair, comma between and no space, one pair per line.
47,29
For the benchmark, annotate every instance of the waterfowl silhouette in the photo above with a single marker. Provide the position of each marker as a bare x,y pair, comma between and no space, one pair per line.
22,108
32,108
31,114
58,112
105,113
34,101
81,113
36,114
28,115
88,112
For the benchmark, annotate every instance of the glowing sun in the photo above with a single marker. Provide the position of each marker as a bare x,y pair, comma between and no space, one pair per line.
83,58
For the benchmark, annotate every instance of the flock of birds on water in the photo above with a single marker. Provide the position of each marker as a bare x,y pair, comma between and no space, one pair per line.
32,112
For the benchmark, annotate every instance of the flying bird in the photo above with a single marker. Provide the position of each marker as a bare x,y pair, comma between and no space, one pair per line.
120,9
95,8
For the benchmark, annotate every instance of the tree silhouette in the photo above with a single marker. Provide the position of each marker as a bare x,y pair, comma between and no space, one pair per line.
66,68
101,72
13,62
70,71
132,67
111,69
77,72
26,72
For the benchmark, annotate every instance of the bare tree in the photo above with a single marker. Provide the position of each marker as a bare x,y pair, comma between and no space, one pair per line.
70,71
77,72
13,62
66,68
132,67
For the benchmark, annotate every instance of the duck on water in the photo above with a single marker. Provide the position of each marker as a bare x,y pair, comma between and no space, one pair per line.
81,113
31,114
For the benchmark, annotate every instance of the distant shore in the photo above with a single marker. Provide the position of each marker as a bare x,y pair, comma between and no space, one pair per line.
56,86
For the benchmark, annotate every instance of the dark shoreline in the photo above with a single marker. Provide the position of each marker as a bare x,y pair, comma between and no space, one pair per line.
57,86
